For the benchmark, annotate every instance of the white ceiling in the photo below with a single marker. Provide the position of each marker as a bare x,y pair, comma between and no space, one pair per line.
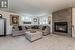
39,6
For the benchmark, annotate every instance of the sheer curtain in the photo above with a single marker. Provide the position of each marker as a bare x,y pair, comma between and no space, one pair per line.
43,20
26,18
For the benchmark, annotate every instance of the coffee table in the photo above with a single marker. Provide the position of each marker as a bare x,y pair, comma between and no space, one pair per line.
32,36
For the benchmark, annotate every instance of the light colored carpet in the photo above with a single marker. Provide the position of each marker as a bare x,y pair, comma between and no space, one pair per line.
50,42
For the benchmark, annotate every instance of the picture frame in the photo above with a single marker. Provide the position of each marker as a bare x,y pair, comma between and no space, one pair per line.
35,19
14,20
49,19
0,15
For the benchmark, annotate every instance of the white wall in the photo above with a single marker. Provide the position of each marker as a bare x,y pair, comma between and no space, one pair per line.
7,16
32,22
73,22
51,24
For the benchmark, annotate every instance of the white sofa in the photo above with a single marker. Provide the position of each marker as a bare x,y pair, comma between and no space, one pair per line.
32,36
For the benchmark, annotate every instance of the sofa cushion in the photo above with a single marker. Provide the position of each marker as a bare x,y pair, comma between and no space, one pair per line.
20,27
26,28
44,27
23,28
15,28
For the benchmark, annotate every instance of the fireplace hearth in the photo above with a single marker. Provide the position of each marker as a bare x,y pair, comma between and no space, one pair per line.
61,27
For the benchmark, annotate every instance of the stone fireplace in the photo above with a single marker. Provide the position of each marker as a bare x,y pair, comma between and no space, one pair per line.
62,22
61,27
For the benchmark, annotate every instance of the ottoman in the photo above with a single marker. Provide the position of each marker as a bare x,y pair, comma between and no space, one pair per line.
32,36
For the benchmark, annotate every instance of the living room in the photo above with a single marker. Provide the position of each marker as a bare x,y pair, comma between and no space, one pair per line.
37,25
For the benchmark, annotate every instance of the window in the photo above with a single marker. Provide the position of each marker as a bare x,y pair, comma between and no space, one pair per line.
43,20
26,18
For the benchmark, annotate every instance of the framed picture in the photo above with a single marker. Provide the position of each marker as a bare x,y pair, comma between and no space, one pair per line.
49,19
0,15
35,19
14,19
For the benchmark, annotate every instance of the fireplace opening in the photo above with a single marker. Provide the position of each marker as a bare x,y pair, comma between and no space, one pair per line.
61,27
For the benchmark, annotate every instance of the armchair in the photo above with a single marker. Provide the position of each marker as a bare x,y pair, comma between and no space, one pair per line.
45,30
